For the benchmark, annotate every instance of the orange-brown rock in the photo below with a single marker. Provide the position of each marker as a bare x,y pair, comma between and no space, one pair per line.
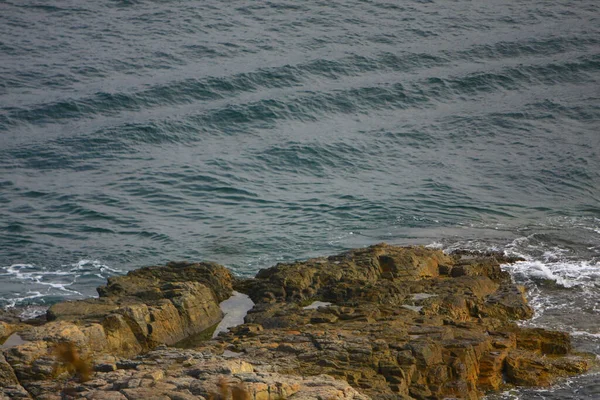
146,307
6,330
135,313
394,322
404,322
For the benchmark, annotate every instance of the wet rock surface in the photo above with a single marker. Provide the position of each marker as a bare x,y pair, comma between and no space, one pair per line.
396,322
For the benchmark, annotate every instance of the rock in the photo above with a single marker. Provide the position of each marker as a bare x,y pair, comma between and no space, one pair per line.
56,332
105,367
271,385
402,322
491,367
6,330
90,309
23,360
146,307
7,374
144,394
145,283
135,313
102,395
184,396
544,341
13,392
218,378
459,343
333,278
526,369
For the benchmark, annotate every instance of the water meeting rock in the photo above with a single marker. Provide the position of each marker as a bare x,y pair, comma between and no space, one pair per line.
394,322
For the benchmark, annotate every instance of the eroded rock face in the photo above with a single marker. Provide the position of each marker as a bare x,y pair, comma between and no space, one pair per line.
146,307
146,283
406,323
135,313
6,330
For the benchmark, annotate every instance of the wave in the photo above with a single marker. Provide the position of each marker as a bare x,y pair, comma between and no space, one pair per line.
33,284
560,268
563,273
302,77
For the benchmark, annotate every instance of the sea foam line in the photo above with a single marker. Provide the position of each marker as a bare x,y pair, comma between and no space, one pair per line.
46,282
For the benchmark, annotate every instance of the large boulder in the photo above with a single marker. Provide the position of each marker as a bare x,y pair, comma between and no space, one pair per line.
404,322
146,307
135,313
345,275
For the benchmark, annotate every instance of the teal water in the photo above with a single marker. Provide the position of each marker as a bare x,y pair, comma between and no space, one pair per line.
252,132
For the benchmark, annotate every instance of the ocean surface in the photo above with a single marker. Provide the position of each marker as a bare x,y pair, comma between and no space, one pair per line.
254,132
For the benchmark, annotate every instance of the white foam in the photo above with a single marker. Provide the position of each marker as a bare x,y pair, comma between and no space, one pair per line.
542,261
596,230
473,245
584,333
567,274
32,312
19,272
41,281
12,302
93,265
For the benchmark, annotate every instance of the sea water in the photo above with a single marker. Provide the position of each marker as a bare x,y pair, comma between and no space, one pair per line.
253,132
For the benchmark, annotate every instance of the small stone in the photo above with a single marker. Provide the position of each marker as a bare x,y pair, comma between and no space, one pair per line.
183,396
156,375
102,395
128,364
144,394
95,383
105,367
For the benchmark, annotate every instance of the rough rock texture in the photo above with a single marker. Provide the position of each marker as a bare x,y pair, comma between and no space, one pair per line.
144,308
404,323
175,374
6,330
146,283
134,314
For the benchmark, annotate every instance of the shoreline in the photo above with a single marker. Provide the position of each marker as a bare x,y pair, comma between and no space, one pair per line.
409,322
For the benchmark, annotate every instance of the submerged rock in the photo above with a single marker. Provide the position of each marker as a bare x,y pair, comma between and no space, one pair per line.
400,322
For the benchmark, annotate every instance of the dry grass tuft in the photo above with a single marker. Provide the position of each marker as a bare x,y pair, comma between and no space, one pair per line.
227,391
70,360
240,392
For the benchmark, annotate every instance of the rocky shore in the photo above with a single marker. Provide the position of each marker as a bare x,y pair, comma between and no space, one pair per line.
382,322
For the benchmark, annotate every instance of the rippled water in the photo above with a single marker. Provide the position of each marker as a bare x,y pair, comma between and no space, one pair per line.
251,132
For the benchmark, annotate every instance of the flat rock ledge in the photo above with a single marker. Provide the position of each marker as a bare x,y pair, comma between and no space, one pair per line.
393,323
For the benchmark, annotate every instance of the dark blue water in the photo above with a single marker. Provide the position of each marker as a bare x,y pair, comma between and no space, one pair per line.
251,132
